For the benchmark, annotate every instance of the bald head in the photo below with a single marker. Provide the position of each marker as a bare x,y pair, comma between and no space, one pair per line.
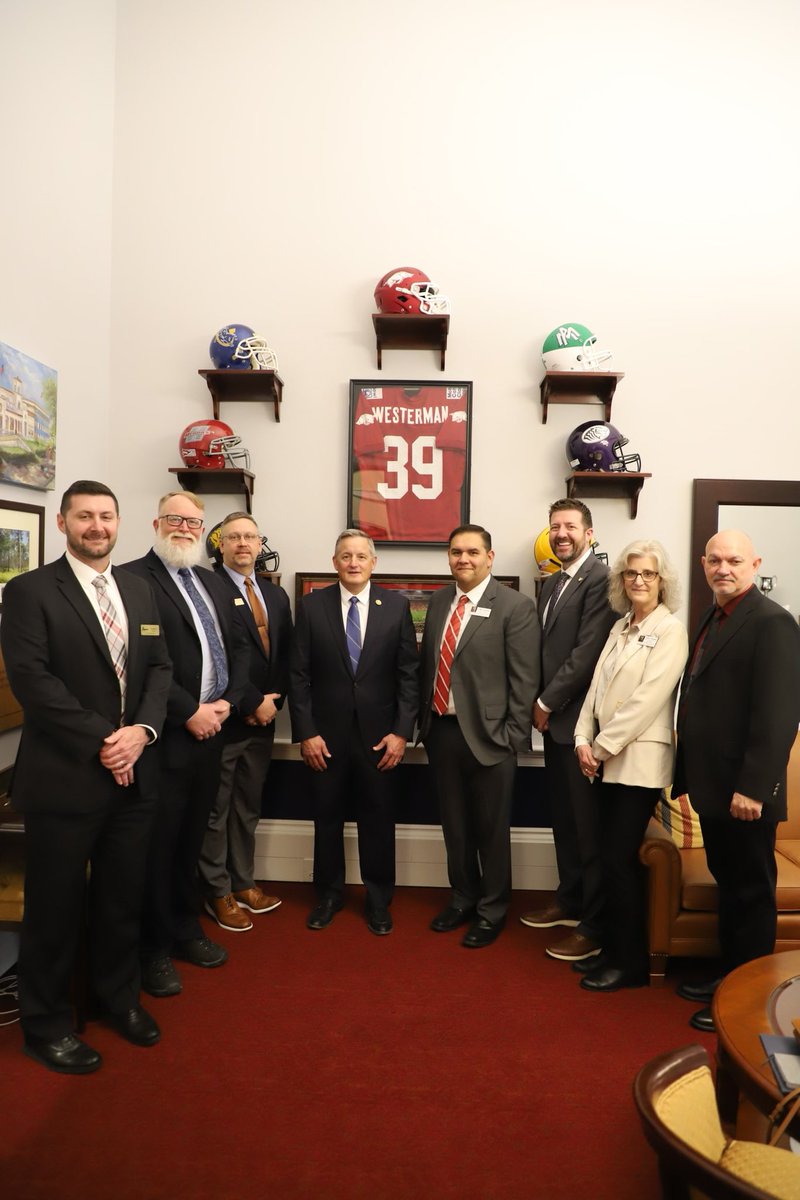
730,564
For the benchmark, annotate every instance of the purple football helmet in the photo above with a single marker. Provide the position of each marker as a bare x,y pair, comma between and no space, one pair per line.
597,446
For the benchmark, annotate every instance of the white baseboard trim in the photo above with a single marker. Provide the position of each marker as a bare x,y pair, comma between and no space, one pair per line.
285,850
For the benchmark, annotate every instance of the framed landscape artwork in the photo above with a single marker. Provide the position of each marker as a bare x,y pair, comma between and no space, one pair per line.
21,540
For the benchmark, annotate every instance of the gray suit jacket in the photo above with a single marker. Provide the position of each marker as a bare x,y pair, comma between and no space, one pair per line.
571,644
495,673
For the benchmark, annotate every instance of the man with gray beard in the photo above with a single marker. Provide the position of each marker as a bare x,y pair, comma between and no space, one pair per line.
209,652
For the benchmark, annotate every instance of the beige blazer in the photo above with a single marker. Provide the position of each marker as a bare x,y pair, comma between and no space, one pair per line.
632,732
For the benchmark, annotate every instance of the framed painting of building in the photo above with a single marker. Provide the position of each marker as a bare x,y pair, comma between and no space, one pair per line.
28,396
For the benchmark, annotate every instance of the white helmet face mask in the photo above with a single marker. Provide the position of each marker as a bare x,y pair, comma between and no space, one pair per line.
431,301
258,353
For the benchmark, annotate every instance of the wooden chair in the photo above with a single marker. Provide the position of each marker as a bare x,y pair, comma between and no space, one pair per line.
674,1095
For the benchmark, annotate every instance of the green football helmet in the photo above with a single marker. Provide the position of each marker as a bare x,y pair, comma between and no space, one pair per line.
574,348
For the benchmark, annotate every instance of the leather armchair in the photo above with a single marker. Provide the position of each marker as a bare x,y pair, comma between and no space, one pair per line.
682,894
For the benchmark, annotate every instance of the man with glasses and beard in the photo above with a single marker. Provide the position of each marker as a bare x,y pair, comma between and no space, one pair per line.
210,667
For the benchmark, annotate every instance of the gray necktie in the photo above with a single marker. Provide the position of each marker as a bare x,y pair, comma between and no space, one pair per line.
561,583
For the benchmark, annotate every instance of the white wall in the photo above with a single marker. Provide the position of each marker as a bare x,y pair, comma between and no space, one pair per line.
631,168
57,121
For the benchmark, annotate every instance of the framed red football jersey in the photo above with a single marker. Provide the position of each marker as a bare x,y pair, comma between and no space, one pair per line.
409,460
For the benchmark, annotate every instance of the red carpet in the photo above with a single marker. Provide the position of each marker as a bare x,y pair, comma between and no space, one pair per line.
336,1065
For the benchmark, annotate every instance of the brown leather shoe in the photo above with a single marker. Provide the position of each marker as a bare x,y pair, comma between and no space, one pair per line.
255,901
573,948
227,914
545,918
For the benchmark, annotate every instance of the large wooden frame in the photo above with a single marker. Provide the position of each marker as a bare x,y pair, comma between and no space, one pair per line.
707,496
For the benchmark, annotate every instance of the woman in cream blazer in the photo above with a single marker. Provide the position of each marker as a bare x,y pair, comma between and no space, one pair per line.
625,743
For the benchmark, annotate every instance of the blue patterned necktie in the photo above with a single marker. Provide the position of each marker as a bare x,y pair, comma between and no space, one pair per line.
209,628
353,633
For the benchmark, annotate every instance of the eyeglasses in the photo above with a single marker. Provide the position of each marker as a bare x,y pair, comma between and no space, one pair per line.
631,576
242,537
175,521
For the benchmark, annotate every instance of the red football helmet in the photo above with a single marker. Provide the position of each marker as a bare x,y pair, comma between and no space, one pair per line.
409,290
213,445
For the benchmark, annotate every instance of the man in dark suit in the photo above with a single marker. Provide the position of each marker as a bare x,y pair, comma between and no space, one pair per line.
738,715
88,663
228,854
209,656
479,675
353,701
575,617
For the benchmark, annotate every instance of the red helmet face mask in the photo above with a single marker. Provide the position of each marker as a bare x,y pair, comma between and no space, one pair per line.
212,445
409,290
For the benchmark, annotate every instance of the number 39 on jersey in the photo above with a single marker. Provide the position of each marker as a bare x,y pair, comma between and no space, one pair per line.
409,460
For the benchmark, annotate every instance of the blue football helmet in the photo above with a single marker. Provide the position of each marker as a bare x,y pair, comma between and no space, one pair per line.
238,347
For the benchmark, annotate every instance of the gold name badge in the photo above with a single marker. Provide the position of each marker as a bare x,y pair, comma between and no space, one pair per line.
238,600
150,630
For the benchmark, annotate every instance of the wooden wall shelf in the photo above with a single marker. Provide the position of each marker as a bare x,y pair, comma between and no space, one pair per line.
411,331
244,386
225,481
579,387
608,484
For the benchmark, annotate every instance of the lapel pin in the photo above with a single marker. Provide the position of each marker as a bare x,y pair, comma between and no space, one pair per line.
378,602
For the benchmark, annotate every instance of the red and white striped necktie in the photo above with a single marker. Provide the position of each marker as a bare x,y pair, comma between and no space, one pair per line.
441,692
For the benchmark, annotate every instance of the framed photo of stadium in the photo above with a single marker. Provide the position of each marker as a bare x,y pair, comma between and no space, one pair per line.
409,460
418,589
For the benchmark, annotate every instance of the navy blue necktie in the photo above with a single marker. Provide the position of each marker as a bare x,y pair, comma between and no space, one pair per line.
353,633
209,628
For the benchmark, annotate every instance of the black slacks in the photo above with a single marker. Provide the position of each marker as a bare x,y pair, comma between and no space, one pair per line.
58,848
624,814
475,808
741,857
352,786
172,899
575,813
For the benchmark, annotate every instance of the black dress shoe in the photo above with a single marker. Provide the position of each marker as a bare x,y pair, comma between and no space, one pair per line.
201,952
159,977
703,1021
323,914
611,979
702,993
481,933
68,1055
450,918
584,965
136,1026
379,920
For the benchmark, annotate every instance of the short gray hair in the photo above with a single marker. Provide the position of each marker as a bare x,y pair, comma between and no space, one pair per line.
668,587
359,533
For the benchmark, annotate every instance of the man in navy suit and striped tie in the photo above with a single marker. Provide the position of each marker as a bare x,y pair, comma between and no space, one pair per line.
353,702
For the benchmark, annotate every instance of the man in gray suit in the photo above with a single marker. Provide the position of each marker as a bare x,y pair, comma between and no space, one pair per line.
480,675
575,616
